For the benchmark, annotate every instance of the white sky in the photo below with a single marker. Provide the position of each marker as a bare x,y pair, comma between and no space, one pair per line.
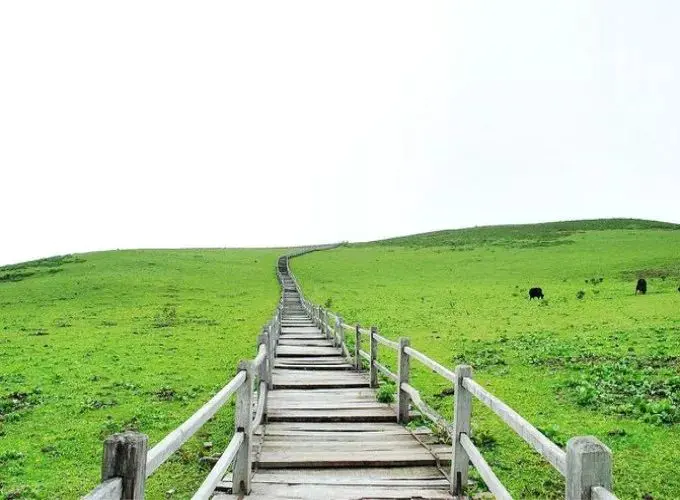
220,123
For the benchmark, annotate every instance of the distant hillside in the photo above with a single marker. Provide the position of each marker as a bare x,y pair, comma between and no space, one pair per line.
521,235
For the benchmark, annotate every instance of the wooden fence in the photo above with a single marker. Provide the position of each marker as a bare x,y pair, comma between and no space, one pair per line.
586,464
127,462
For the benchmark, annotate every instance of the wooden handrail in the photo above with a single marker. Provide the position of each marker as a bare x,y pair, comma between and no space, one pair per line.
261,403
112,488
173,441
261,356
386,371
386,342
430,363
207,489
548,450
424,408
492,482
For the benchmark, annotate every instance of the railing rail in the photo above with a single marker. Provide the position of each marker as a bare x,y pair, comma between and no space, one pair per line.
586,463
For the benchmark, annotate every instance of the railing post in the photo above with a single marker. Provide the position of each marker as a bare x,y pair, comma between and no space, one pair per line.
243,419
125,457
340,332
357,348
374,355
589,463
404,399
265,371
462,412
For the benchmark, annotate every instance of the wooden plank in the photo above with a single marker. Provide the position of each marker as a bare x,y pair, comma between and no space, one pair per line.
288,366
292,446
299,428
324,405
312,342
322,476
344,458
329,437
312,360
340,415
266,491
296,351
365,392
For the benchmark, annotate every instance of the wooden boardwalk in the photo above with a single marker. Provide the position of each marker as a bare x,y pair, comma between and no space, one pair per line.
326,436
308,424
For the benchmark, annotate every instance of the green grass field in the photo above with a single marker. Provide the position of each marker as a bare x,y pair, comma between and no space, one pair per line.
94,344
591,359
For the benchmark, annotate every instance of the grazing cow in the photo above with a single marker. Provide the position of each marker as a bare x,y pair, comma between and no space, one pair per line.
641,286
535,293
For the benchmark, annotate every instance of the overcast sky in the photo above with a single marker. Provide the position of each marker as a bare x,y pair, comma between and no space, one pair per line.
134,124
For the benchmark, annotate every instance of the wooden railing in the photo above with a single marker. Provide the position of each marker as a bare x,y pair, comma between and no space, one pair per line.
126,463
586,464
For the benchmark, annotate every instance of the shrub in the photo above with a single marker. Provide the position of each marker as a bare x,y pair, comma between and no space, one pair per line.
385,393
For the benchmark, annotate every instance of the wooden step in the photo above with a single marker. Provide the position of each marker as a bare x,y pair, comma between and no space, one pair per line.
301,351
337,379
277,491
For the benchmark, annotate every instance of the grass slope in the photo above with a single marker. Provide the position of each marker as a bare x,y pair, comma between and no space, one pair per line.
102,342
606,364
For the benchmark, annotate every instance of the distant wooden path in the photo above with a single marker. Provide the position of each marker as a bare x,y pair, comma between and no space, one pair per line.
326,436
308,424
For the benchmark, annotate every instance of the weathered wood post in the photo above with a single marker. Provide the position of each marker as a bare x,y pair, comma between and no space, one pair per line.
243,419
357,348
404,400
125,457
589,463
340,332
324,323
374,355
462,412
265,370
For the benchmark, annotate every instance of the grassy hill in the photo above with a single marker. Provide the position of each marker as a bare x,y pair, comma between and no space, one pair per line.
592,358
97,343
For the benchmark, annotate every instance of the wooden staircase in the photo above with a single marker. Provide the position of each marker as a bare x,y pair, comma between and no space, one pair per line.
326,436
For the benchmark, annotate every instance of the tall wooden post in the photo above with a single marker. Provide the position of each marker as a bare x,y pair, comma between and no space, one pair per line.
357,348
125,457
374,355
340,332
462,412
589,463
244,418
265,370
404,400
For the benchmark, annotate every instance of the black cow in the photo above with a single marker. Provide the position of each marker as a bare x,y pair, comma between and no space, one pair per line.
641,286
535,293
